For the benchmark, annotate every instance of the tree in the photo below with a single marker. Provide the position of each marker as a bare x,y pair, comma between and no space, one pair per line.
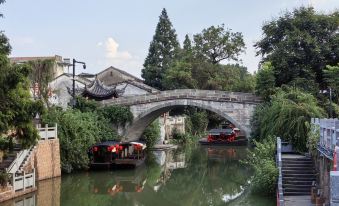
42,74
217,43
163,50
331,76
286,116
17,109
179,76
300,44
265,81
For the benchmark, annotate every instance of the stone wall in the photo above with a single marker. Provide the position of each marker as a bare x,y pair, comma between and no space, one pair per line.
47,159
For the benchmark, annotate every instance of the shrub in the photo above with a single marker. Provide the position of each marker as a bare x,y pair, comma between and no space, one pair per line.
262,160
152,134
4,178
77,131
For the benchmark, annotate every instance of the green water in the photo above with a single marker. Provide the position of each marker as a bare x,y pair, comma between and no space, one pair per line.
187,176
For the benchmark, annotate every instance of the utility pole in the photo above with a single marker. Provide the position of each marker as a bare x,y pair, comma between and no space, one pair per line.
84,66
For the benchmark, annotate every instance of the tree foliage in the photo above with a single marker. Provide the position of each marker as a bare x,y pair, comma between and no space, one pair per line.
265,81
217,43
300,44
152,134
42,74
77,131
17,109
163,49
263,162
286,115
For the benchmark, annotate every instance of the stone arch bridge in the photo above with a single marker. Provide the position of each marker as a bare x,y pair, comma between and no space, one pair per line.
236,107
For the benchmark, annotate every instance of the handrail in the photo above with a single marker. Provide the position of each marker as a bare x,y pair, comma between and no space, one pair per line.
15,165
280,192
23,182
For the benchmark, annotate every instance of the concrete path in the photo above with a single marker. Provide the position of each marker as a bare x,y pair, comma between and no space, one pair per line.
298,201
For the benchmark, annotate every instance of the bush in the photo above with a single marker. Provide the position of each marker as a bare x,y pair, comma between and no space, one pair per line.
77,131
152,134
179,137
262,160
4,178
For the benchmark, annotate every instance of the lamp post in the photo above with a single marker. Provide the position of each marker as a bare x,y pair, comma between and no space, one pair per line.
84,66
330,91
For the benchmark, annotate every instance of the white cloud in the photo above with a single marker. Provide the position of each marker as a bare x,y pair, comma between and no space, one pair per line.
112,51
123,60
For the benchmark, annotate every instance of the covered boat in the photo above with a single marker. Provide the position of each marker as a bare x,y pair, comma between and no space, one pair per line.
108,154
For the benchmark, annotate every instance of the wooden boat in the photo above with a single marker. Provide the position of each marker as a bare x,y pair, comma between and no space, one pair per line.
112,154
131,154
224,136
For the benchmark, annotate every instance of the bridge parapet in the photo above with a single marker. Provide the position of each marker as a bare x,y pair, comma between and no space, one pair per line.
207,95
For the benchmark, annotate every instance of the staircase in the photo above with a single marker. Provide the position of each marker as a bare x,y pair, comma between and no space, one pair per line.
10,157
298,173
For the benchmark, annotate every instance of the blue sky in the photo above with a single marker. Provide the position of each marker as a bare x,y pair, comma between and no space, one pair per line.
117,33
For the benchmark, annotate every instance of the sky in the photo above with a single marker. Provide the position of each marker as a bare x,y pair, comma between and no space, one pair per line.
116,33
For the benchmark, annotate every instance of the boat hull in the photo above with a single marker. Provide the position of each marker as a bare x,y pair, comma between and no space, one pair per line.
237,142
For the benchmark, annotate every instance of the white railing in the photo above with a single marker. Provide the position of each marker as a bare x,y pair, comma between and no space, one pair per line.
23,182
329,134
20,157
280,193
47,133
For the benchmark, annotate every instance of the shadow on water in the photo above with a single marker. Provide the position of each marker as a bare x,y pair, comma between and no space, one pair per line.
187,176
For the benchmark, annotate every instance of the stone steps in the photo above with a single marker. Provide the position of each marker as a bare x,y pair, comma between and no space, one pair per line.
298,175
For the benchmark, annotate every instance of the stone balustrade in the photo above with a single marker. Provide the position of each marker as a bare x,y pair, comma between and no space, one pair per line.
207,95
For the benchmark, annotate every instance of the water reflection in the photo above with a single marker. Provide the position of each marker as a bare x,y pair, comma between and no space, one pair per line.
187,176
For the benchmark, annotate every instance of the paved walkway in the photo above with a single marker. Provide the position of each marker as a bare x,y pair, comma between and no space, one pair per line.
298,201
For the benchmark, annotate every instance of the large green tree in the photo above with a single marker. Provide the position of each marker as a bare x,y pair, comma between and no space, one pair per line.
17,109
217,43
299,45
163,49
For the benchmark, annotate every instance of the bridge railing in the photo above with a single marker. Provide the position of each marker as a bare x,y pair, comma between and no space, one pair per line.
213,95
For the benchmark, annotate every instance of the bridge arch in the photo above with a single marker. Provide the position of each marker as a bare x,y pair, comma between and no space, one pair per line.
234,106
148,116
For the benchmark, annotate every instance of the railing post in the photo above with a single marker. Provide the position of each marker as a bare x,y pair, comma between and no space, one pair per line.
24,179
56,131
13,179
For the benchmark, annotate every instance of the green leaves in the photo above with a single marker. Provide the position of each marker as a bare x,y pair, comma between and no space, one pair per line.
286,116
152,133
300,44
163,49
263,162
78,131
217,43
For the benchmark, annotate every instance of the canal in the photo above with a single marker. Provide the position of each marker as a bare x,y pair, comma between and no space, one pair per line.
192,175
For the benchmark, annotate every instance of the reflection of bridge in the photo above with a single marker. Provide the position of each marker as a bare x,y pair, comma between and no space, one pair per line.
233,106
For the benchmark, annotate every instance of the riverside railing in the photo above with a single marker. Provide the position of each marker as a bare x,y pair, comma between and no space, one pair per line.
280,192
23,182
329,135
47,133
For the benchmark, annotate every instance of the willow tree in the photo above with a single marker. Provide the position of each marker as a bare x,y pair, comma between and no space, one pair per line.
41,75
286,116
